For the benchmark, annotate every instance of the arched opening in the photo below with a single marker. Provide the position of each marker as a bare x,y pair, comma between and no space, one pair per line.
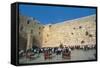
35,43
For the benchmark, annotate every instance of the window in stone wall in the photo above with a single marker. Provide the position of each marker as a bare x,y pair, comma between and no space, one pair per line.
72,33
86,33
50,25
39,33
28,21
82,41
90,35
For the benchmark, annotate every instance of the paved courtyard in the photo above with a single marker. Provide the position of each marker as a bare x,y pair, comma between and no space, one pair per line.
75,55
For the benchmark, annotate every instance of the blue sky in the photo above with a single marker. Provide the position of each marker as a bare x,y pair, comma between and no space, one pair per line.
52,15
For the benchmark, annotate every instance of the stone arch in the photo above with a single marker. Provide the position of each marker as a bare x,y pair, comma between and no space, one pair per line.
35,42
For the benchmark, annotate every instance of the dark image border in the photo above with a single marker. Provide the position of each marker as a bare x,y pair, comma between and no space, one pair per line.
45,4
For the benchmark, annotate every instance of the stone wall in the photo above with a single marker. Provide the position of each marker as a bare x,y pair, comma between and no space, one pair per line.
31,30
81,31
73,32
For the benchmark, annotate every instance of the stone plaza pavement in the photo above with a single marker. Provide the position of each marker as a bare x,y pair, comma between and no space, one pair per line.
75,56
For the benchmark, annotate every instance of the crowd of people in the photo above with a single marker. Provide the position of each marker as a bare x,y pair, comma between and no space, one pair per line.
64,51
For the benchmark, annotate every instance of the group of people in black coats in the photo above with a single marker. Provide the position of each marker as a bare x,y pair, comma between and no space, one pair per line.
49,51
63,50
